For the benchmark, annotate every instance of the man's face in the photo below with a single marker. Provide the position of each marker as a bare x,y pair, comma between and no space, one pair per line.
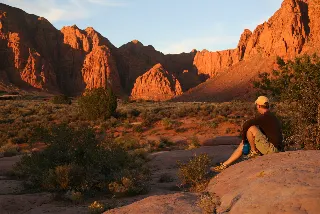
256,108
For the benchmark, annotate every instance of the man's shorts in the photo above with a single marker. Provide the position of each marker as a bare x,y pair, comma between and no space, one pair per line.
263,145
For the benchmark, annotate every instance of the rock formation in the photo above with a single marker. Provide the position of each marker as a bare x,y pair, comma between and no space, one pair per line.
210,63
157,84
38,56
291,31
134,59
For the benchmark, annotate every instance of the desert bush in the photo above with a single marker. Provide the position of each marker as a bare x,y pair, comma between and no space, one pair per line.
128,143
170,124
98,103
297,85
181,112
3,92
97,208
149,118
76,197
208,202
193,142
75,160
9,149
195,172
181,130
133,113
138,128
61,99
164,143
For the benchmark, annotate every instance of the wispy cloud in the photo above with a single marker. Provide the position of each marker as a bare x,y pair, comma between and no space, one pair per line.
254,24
55,11
109,3
212,43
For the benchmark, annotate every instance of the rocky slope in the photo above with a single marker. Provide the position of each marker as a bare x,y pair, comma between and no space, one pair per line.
157,84
291,31
39,56
277,183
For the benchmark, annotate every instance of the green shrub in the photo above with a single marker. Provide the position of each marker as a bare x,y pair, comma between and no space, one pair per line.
61,99
297,85
138,128
75,160
128,143
194,142
164,143
150,118
98,103
9,149
170,124
195,172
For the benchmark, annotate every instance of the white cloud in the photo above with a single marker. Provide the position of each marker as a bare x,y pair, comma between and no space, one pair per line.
54,11
214,43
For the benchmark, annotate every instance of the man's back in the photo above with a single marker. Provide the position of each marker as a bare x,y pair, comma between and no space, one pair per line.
269,125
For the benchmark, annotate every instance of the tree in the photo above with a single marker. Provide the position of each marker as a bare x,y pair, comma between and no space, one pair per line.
98,103
297,85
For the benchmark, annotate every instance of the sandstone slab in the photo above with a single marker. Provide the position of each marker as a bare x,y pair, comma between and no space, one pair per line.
279,183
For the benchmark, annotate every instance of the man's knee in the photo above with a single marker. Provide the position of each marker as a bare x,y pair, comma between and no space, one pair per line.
253,130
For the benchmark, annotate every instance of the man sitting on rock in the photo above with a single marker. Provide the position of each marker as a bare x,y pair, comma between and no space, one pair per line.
263,133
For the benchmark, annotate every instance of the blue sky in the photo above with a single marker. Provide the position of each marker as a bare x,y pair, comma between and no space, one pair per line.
171,26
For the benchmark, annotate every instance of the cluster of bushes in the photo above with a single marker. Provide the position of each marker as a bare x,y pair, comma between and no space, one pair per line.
296,84
74,160
61,99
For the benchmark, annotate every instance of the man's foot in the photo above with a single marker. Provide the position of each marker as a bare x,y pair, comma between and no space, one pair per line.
252,154
219,168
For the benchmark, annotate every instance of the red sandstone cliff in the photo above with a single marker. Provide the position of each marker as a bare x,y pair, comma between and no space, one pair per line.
36,55
293,30
157,84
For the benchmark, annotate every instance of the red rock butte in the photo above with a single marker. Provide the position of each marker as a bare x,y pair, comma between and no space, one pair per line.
36,56
157,84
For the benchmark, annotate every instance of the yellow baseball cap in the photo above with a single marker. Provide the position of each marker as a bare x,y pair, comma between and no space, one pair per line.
262,100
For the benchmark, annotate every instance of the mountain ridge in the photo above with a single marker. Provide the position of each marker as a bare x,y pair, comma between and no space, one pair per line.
40,57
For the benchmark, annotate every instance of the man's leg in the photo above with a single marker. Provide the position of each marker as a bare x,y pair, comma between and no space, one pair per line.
235,155
251,134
